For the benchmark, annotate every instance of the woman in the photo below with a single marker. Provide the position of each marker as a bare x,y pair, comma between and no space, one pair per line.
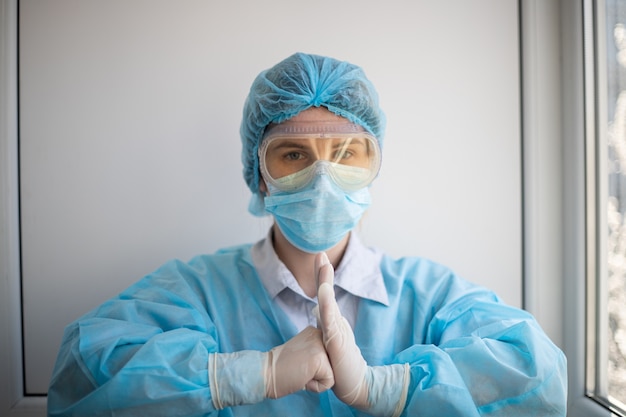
240,332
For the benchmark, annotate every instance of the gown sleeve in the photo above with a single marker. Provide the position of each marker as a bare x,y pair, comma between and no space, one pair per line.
144,352
480,357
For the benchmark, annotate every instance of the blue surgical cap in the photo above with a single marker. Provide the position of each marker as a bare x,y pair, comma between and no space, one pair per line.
297,83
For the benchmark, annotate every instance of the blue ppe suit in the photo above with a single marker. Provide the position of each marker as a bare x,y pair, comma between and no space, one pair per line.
145,352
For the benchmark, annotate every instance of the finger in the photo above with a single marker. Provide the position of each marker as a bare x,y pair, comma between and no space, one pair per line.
322,381
316,313
325,291
328,311
323,378
330,318
319,260
323,269
327,276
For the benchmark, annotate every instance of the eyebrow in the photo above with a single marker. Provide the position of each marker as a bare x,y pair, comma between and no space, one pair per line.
352,141
289,144
298,144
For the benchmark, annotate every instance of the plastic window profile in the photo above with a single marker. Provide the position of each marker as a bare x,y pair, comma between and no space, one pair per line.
596,193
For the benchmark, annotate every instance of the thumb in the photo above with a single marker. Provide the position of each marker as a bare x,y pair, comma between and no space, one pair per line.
330,318
334,326
324,271
325,276
327,306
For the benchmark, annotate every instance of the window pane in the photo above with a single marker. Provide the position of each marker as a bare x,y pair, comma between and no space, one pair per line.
616,204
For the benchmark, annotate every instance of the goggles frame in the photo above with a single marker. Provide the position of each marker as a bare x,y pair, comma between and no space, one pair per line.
320,131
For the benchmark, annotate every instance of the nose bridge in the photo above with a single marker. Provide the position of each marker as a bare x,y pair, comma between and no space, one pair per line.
323,148
321,167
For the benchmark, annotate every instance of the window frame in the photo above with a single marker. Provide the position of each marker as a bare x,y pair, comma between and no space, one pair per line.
597,192
581,107
558,119
13,402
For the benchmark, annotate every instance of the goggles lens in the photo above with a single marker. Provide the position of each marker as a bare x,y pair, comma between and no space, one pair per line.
290,161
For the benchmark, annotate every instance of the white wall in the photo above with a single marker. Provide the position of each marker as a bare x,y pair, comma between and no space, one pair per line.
129,148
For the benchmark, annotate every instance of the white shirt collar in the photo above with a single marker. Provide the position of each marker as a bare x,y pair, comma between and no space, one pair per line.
358,273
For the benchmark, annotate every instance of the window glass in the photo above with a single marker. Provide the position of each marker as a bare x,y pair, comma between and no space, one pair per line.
615,16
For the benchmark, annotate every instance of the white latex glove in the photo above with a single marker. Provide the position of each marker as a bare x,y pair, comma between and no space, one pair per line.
249,376
378,390
301,363
348,364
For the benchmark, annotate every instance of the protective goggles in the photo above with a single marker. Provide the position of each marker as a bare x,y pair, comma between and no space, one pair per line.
292,155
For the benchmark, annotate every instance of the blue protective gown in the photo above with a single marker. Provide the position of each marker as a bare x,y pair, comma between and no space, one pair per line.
145,352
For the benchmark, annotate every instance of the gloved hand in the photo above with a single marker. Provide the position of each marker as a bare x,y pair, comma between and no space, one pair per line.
348,364
298,364
248,376
379,390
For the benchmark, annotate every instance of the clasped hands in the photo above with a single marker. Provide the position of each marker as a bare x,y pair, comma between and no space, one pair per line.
322,358
316,359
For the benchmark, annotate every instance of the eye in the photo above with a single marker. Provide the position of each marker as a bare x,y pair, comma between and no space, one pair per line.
343,154
294,156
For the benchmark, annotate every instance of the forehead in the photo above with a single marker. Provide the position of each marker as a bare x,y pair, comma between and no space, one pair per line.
316,114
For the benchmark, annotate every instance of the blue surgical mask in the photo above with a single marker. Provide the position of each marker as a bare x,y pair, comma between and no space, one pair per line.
317,217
